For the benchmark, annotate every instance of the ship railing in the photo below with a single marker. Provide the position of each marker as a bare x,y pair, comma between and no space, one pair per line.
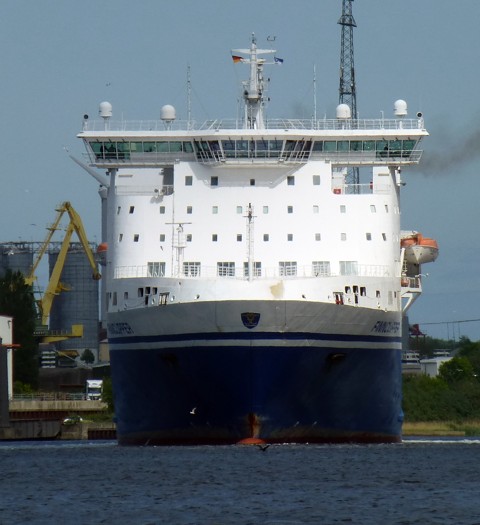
360,189
236,124
50,396
154,191
411,282
241,273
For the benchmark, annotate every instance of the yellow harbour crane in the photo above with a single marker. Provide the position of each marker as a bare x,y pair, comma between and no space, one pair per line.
54,286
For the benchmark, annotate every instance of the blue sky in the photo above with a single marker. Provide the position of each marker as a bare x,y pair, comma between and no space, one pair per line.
60,58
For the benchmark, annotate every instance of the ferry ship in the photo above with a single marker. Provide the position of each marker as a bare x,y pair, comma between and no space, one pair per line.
253,292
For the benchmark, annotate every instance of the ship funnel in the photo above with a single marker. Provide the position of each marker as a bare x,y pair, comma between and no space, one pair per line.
400,108
343,112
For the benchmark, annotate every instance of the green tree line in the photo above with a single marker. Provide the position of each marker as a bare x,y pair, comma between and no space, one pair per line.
454,395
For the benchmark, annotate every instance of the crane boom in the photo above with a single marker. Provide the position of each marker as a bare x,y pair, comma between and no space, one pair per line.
54,286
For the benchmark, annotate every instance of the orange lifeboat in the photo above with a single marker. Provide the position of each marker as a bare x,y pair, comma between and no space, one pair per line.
419,249
102,253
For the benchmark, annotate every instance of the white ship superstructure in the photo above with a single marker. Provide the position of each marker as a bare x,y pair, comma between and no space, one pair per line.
245,234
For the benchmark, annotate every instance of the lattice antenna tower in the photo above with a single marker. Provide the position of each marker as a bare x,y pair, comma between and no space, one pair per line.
347,90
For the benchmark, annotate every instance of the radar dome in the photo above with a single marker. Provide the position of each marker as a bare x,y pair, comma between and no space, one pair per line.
105,109
167,113
400,108
343,111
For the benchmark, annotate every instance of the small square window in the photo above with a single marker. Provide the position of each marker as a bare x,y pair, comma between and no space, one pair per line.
214,237
189,209
162,237
188,180
289,236
290,209
239,209
266,237
132,209
343,236
239,237
368,236
214,181
214,210
136,237
189,237
162,210
373,209
343,208
316,180
265,209
315,209
318,237
125,295
384,236
252,182
290,180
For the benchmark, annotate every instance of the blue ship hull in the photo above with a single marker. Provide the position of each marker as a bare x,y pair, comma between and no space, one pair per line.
276,394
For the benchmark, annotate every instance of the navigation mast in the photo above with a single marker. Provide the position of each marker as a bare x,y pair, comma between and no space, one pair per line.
254,87
347,90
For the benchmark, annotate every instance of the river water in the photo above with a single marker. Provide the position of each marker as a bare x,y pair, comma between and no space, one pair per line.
417,482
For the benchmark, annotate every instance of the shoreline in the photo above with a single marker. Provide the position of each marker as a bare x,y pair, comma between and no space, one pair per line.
441,428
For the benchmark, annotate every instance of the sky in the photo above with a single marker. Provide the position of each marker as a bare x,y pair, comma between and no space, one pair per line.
60,58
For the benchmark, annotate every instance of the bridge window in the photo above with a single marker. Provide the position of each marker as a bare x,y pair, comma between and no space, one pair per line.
321,268
225,269
287,268
191,269
156,269
257,269
348,268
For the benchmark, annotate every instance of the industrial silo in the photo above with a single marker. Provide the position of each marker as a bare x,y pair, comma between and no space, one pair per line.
16,256
78,305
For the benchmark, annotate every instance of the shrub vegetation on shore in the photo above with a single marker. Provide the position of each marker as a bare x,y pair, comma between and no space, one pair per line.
454,395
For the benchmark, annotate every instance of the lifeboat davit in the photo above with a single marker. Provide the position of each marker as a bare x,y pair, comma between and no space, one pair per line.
419,249
102,253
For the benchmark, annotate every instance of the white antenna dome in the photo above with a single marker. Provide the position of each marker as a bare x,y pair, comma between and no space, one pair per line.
343,111
400,108
105,109
167,113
